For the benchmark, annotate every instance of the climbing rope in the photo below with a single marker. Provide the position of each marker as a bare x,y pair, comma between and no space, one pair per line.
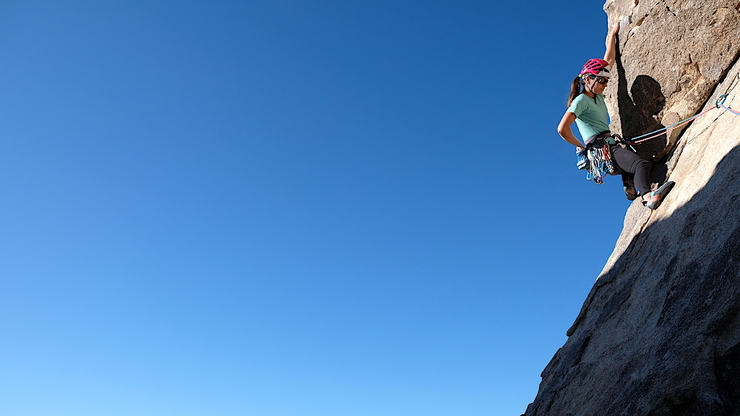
596,158
666,130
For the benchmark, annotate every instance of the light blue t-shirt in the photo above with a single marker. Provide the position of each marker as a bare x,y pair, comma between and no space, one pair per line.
591,115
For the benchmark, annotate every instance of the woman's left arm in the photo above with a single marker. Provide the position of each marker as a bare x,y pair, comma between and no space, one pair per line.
611,45
566,133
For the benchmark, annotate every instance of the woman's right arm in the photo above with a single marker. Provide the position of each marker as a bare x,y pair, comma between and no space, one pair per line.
566,133
611,45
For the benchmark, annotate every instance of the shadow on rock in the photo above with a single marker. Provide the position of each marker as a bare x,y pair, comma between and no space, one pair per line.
638,111
659,333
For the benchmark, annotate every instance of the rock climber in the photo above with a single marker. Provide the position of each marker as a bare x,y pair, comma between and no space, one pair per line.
586,107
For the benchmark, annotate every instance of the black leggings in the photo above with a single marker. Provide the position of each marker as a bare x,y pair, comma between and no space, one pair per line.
632,164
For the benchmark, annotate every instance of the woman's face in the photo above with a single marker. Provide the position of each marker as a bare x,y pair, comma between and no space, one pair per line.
597,84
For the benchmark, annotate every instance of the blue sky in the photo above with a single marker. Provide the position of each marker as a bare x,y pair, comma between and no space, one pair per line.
291,208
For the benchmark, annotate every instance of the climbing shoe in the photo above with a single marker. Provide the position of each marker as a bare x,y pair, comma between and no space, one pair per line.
656,197
629,190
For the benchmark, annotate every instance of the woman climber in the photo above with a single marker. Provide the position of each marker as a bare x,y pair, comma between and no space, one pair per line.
586,107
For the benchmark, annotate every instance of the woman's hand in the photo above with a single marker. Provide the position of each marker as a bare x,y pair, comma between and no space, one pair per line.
615,30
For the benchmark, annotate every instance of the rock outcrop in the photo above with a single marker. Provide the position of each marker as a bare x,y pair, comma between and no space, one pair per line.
673,54
659,333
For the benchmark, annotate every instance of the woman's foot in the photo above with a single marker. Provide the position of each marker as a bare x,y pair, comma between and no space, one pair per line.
653,199
629,190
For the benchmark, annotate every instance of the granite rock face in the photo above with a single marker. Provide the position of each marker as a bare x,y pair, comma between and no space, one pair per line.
659,333
672,55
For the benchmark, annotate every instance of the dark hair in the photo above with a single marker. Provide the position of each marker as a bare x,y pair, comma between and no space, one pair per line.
575,90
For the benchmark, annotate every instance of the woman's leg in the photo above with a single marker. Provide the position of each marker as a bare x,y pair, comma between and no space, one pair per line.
628,183
630,162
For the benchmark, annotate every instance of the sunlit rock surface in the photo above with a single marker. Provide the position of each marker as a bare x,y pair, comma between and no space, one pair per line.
672,56
659,334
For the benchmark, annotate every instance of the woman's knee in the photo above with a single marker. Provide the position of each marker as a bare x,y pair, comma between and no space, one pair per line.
642,164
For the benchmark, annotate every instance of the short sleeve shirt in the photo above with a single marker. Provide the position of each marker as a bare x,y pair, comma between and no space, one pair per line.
591,115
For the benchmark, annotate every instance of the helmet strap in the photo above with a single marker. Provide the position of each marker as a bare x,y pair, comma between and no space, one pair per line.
587,86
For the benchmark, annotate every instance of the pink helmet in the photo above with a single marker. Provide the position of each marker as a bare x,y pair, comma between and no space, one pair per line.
598,67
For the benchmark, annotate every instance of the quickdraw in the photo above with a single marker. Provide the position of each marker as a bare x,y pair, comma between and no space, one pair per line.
596,160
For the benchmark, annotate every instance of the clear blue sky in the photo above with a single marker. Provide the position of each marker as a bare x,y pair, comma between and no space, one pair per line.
291,208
